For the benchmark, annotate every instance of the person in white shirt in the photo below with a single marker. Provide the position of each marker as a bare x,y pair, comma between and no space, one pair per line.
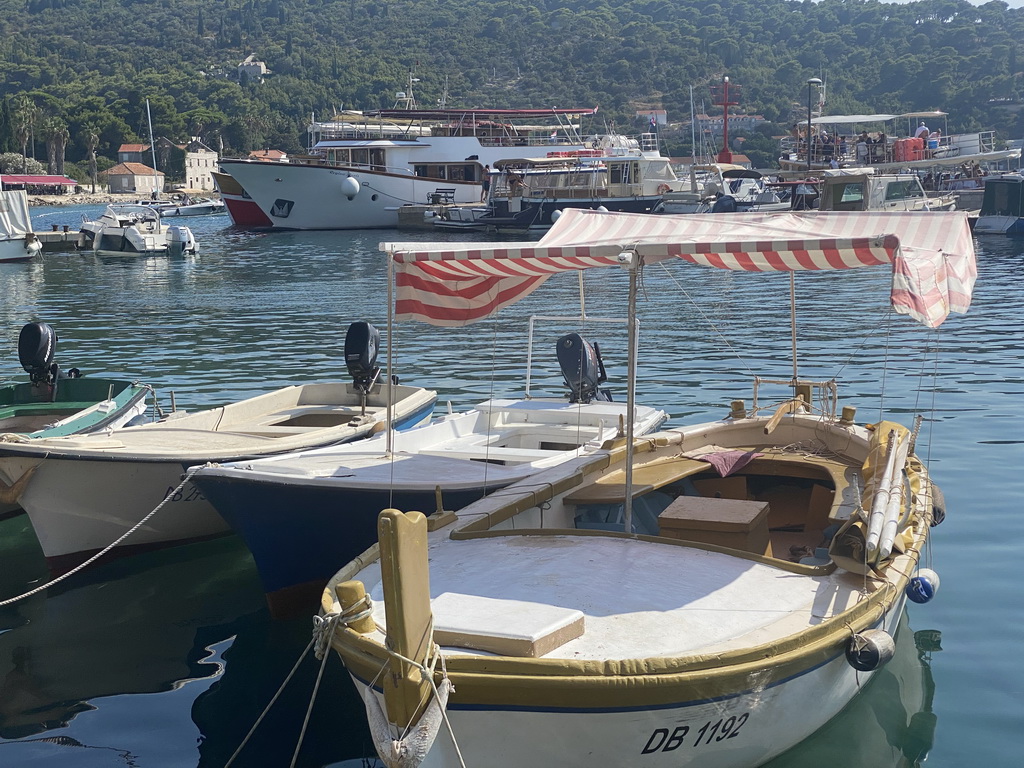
922,131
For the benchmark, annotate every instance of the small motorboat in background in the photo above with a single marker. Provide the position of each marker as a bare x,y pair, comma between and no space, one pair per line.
134,230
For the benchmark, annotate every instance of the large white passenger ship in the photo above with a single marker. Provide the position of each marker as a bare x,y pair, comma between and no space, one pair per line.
364,166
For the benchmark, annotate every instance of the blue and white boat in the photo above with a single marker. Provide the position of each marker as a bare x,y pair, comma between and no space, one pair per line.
305,514
1002,207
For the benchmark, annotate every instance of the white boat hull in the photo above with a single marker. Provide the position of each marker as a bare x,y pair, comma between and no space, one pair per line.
742,730
86,492
17,248
134,230
312,196
998,225
302,196
79,506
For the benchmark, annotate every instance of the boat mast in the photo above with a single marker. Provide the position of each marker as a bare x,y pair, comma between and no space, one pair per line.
152,146
693,145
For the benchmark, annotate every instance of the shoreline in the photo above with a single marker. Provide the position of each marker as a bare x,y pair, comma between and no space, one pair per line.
100,198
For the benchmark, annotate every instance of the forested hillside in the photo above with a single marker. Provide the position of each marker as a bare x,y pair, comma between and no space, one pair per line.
71,69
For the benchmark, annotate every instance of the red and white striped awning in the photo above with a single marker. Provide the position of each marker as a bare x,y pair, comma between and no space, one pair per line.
931,253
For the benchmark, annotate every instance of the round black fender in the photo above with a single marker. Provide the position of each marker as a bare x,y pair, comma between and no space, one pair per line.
870,650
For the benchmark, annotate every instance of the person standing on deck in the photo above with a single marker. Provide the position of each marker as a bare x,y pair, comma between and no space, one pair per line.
922,131
485,183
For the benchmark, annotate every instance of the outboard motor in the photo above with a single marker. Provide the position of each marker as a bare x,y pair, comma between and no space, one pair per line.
36,346
362,343
582,369
180,240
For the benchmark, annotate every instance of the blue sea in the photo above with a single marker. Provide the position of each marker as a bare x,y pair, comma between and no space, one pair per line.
169,659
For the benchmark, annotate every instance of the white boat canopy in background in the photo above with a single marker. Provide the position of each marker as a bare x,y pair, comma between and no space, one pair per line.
15,220
931,256
858,119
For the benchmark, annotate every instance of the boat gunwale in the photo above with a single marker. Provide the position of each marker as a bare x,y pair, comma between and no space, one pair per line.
129,395
560,683
256,445
594,684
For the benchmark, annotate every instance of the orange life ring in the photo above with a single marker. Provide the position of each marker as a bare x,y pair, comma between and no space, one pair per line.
663,188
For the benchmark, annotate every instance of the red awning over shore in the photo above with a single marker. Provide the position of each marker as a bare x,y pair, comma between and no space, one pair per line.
42,181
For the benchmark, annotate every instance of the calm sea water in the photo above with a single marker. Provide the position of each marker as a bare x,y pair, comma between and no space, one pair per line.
169,659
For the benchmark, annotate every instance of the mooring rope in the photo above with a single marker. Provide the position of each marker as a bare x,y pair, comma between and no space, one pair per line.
428,668
323,630
105,550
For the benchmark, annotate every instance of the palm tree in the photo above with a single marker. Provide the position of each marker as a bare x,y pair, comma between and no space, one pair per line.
61,137
23,118
49,129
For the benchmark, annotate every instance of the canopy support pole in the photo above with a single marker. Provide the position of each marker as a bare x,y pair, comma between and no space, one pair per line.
627,504
391,315
792,324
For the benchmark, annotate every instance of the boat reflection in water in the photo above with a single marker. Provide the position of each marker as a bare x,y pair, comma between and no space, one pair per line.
63,652
890,723
113,629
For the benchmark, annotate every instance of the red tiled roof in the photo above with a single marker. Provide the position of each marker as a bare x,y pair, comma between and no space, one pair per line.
260,154
135,169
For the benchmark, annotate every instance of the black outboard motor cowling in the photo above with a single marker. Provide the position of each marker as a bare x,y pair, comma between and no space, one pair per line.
37,344
725,204
582,368
362,344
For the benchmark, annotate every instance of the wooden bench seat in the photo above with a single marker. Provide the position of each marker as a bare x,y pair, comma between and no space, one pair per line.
442,196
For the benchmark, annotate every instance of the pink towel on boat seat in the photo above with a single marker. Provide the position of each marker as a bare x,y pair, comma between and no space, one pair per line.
724,460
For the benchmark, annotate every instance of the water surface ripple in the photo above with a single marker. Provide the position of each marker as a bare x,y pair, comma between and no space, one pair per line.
168,659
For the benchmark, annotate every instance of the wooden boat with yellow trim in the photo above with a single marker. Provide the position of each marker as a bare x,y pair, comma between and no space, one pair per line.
709,595
744,613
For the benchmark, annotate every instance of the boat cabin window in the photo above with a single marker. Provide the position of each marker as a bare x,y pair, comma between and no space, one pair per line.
849,196
623,173
450,171
901,190
372,157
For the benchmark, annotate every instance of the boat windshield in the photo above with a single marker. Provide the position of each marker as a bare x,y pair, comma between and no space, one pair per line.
1003,198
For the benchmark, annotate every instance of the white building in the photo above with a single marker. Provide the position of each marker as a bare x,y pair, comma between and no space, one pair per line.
200,162
251,70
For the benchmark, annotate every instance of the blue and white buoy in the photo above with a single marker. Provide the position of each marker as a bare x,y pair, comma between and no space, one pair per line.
923,586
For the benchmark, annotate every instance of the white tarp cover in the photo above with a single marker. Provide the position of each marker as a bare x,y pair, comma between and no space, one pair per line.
848,119
15,221
932,256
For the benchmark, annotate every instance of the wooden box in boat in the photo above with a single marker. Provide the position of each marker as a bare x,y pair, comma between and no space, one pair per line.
724,522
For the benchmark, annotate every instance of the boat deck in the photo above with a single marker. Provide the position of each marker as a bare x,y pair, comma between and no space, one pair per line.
375,469
637,599
498,443
195,435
